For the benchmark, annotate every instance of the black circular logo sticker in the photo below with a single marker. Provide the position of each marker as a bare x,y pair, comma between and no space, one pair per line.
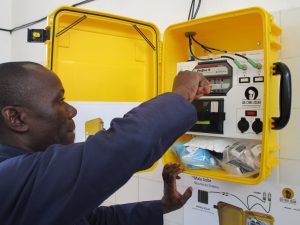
251,93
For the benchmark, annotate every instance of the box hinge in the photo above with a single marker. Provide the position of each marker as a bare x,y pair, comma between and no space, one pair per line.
38,35
159,49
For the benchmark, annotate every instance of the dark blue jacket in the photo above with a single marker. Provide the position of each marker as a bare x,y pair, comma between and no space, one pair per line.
64,184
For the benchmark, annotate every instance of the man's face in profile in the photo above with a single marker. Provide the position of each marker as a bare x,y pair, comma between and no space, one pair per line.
50,118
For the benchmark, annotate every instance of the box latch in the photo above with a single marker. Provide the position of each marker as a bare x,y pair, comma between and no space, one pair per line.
38,35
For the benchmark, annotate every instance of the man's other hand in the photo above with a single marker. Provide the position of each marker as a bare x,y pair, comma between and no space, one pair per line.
190,85
172,199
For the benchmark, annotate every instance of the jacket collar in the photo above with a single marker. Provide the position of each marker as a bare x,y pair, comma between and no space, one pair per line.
7,152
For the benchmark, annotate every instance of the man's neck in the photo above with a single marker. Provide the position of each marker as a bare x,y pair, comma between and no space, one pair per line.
14,141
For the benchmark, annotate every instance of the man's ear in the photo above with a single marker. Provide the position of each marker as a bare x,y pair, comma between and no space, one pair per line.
14,118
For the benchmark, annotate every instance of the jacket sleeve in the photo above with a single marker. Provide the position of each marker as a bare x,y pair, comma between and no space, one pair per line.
146,213
64,183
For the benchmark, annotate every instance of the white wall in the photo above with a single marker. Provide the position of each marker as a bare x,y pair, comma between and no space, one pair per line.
162,13
149,186
25,12
5,37
289,137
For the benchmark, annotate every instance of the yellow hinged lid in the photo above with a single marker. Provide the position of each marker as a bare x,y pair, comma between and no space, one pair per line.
111,58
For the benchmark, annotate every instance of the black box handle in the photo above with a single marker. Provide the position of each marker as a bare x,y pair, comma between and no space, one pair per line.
285,96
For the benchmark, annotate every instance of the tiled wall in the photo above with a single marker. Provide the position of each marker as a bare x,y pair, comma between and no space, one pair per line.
148,186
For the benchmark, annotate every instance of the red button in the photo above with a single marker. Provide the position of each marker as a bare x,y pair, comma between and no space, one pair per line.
251,113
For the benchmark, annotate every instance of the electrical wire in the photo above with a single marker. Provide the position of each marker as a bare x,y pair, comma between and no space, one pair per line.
206,47
240,65
247,207
203,46
247,203
192,53
27,24
82,3
242,56
207,59
193,12
227,57
263,201
2,29
197,10
191,9
39,20
191,38
267,211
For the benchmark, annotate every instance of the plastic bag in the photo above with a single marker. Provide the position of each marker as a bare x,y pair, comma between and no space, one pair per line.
242,158
217,144
195,158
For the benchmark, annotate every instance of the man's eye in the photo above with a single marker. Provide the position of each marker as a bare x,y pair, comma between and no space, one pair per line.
62,100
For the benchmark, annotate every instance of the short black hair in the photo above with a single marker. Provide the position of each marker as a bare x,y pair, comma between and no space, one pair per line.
14,84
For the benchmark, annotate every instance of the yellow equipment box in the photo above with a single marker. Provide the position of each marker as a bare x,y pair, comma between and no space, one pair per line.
108,58
233,215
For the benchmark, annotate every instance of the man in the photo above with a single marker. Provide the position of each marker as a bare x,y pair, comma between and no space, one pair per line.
46,179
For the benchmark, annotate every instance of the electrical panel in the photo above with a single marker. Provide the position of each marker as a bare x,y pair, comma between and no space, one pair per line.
234,107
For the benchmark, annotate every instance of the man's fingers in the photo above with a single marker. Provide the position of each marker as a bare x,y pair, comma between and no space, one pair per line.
186,195
204,87
170,167
176,171
187,83
170,174
202,90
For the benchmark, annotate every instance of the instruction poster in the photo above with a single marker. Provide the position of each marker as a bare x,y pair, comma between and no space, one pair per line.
222,203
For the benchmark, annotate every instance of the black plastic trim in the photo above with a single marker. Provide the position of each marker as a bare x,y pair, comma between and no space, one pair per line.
285,96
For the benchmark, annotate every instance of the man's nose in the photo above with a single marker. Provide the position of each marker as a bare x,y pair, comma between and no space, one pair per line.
72,112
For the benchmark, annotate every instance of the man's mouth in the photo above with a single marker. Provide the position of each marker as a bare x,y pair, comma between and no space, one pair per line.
72,128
